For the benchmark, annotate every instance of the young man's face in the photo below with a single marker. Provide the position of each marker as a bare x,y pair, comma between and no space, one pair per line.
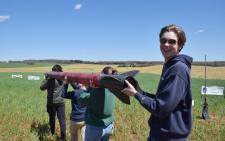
169,45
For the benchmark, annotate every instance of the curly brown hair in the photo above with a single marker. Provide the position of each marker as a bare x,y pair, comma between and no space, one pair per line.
109,70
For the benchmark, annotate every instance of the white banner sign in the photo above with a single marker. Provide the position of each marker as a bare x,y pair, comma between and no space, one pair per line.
32,77
17,76
212,90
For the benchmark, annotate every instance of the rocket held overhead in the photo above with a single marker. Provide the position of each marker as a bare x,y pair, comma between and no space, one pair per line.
115,83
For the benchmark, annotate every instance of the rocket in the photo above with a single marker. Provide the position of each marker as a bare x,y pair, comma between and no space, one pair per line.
115,83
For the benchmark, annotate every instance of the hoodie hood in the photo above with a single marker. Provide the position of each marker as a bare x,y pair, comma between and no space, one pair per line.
183,58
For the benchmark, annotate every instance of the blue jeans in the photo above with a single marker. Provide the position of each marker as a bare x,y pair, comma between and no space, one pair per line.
93,133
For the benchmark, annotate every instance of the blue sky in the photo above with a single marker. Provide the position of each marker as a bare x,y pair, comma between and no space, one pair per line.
108,30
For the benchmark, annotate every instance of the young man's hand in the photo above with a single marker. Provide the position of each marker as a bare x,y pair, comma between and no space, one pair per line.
129,90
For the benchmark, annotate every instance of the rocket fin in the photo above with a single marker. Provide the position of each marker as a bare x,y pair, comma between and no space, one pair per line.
115,83
130,73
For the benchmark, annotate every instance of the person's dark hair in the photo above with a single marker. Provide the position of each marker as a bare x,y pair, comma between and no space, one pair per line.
57,68
114,71
178,31
109,70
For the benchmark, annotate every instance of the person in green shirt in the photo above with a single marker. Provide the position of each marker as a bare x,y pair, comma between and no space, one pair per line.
100,103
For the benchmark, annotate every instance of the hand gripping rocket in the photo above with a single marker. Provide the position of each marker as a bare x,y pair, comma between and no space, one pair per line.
115,83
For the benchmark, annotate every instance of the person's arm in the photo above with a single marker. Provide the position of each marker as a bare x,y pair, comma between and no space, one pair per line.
149,94
44,84
84,98
71,94
75,85
166,99
65,93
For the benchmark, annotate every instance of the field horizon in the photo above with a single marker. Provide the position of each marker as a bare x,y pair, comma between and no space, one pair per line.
196,71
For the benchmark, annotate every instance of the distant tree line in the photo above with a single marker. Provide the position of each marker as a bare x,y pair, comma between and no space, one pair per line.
210,63
119,63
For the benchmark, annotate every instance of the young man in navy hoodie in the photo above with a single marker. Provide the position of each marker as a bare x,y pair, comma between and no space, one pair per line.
170,107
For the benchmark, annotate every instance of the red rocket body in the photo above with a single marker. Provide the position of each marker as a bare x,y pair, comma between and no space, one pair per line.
115,83
86,79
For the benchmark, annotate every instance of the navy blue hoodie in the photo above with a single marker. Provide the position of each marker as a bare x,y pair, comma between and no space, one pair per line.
78,111
171,107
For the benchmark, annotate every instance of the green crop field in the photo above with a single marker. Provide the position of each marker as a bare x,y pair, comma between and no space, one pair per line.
23,115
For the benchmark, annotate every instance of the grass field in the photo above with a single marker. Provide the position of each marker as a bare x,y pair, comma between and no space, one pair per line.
23,115
197,71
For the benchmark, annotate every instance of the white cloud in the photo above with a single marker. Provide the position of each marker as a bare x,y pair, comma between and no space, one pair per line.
78,6
200,30
4,18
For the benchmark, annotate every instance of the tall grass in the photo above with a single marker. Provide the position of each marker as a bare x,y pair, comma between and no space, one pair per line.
23,115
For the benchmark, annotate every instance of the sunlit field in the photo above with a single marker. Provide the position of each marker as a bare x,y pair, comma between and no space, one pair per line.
23,115
197,71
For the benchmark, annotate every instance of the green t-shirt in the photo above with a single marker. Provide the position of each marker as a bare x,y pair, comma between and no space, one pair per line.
100,104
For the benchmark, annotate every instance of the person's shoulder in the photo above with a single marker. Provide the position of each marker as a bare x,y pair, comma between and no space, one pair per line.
180,65
179,68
